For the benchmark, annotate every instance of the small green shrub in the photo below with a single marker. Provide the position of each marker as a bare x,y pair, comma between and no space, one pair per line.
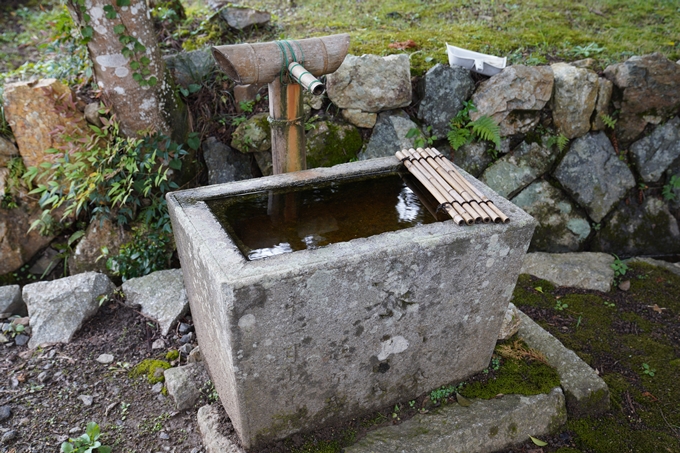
420,139
87,443
673,183
463,130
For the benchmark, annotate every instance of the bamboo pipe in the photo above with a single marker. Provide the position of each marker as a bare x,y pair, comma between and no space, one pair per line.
497,213
416,159
469,220
435,193
306,79
477,211
261,62
425,197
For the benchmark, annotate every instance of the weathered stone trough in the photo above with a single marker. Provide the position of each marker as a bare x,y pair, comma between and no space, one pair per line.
297,341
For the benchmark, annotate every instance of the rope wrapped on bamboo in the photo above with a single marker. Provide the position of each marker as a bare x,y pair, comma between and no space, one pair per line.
449,187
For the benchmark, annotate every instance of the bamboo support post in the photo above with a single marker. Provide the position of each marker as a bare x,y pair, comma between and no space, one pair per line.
288,127
441,199
498,216
470,215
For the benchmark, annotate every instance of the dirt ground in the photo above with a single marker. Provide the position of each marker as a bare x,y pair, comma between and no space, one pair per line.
43,387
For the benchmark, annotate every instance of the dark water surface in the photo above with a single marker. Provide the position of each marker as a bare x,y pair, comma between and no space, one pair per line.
273,222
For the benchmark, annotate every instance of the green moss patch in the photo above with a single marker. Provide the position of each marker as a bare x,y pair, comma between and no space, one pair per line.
152,369
633,339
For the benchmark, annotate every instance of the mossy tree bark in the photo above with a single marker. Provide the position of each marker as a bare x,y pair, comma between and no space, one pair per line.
130,71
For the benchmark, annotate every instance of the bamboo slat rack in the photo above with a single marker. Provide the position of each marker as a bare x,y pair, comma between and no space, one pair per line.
455,195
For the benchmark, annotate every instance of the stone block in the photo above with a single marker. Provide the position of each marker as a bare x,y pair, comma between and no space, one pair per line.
484,426
11,301
585,392
301,340
585,270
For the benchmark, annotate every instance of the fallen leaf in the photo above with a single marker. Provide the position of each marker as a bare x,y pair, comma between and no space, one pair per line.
538,442
656,308
463,401
403,45
650,396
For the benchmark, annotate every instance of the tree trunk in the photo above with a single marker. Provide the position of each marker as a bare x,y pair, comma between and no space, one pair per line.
128,67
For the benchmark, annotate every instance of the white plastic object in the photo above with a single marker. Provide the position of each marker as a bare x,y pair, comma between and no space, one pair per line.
474,61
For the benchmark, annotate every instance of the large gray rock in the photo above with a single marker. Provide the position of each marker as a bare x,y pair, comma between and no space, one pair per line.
161,295
389,135
208,420
586,270
561,227
243,18
184,384
191,67
474,158
371,83
11,301
646,229
330,143
58,308
224,164
593,174
651,90
519,168
514,97
586,393
574,99
484,426
443,90
604,97
253,135
656,152
87,255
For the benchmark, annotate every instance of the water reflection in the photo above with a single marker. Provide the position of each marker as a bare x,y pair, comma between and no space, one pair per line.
271,223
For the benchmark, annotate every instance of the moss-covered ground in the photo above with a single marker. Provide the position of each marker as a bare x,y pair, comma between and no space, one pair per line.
633,340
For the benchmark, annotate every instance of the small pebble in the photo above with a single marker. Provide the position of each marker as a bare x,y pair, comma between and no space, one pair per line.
44,376
20,321
9,435
5,412
24,421
187,338
185,350
163,435
157,387
184,328
3,339
105,358
195,355
158,344
625,285
48,366
21,339
86,399
75,430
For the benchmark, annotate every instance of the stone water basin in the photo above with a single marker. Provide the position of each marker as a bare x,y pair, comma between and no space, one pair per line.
296,341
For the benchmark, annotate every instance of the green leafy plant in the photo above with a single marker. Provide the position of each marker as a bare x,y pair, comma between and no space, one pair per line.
16,170
463,130
609,304
11,329
586,51
444,392
191,89
559,305
87,443
649,371
668,189
608,120
421,139
65,250
559,140
620,268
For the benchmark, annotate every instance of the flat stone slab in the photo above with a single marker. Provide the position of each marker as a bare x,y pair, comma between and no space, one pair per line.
213,440
586,393
671,267
587,270
484,426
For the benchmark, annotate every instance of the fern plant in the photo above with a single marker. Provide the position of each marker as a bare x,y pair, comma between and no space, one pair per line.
464,131
557,140
608,120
